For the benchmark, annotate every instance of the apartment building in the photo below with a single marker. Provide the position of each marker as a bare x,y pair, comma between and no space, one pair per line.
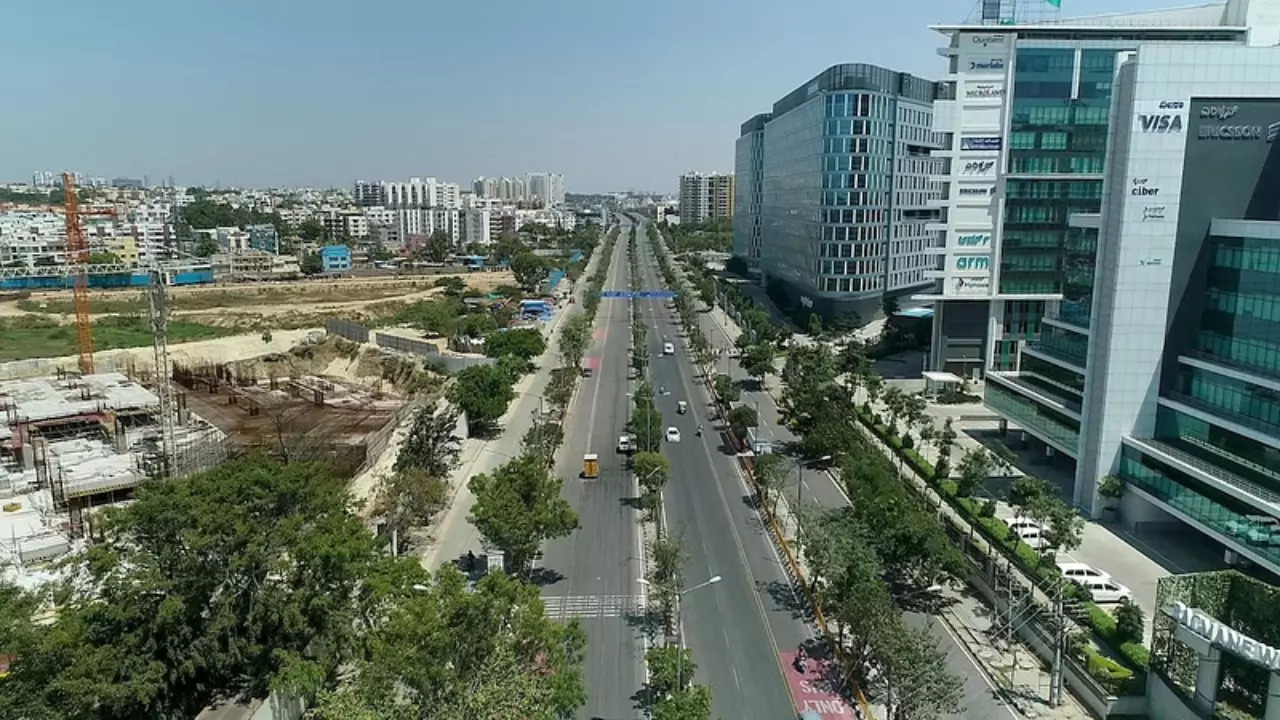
415,193
706,196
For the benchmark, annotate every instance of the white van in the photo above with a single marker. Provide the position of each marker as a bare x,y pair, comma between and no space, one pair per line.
668,349
1081,572
1030,534
1107,591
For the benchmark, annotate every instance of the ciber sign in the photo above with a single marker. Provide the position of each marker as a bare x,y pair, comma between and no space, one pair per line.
1141,188
1213,630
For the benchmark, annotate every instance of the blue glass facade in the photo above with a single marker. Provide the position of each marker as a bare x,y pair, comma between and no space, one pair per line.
748,189
845,173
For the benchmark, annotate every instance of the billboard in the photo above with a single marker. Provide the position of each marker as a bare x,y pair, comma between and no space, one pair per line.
989,142
970,286
983,91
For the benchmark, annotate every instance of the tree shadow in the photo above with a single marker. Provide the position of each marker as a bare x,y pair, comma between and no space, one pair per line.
635,502
486,431
545,577
787,597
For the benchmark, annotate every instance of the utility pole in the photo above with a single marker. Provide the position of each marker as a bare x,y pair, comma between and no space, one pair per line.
1059,639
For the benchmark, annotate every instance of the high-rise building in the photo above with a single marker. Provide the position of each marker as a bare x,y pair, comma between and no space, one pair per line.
845,167
1158,357
416,193
1026,122
545,188
748,189
706,197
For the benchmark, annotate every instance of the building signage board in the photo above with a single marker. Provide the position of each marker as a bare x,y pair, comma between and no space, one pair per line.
983,91
987,40
974,240
1154,212
971,286
987,65
972,263
978,168
1160,123
981,143
1142,187
974,192
1223,636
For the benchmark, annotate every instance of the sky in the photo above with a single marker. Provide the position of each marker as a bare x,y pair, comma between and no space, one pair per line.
614,95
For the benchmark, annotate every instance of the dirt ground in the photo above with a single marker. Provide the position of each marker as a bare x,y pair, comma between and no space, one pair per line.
296,304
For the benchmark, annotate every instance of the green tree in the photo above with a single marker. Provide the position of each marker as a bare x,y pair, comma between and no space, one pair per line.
431,445
771,479
757,361
524,343
438,650
652,471
671,669
477,325
309,230
411,498
518,507
103,258
311,264
726,389
1130,623
692,703
815,325
573,341
742,418
439,317
542,439
646,424
207,246
913,676
975,470
483,393
529,270
560,387
508,247
234,580
438,247
667,576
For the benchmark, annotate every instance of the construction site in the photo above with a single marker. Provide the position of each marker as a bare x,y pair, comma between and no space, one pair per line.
79,441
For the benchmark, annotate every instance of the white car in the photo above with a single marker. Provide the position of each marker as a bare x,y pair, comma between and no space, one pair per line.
1081,572
668,349
1107,591
1016,524
1031,535
673,434
624,444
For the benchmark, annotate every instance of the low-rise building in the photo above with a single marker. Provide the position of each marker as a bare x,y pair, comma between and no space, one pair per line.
335,258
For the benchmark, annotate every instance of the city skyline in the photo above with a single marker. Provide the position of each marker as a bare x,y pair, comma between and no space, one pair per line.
207,113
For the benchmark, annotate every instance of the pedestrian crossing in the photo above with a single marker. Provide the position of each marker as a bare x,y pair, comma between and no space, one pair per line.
563,607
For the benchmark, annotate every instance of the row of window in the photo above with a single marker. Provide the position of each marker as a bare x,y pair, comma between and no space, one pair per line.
851,284
1251,353
863,233
1065,345
844,198
1255,461
854,181
851,267
1056,114
1033,417
1264,307
1232,396
1247,254
849,250
1056,164
1059,375
1053,189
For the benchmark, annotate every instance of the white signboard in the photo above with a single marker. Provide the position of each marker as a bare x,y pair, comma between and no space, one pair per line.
981,193
971,286
978,168
984,65
1221,635
973,240
987,40
983,91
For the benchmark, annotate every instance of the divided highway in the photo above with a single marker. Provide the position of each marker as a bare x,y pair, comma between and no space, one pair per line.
737,628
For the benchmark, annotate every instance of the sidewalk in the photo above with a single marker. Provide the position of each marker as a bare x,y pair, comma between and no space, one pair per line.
453,536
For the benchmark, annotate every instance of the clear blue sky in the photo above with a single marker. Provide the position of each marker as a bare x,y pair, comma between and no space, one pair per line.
615,95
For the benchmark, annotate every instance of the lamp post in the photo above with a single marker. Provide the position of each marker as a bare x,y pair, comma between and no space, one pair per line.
799,464
679,625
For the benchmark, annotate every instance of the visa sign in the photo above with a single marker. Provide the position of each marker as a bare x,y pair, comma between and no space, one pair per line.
1160,123
973,262
976,240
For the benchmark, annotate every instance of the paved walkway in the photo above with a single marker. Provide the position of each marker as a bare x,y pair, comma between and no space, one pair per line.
454,536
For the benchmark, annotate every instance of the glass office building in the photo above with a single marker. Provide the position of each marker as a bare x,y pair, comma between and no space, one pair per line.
749,164
845,171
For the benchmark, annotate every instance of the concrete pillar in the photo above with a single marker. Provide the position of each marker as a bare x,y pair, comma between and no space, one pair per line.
1048,451
122,441
1004,427
28,457
1208,675
1272,711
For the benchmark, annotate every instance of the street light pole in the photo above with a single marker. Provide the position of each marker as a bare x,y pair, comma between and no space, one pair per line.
680,646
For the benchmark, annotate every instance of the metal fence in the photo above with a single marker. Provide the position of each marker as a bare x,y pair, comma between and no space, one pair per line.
347,329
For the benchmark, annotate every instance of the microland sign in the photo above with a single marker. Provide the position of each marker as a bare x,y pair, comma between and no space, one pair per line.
1222,636
983,91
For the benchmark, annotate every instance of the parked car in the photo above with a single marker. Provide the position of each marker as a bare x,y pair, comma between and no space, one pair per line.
1017,523
673,434
1080,571
1031,535
1107,591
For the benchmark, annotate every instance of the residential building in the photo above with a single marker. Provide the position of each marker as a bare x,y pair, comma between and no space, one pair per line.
27,236
264,238
846,193
748,190
706,197
256,264
545,188
335,258
475,227
367,194
1163,367
424,222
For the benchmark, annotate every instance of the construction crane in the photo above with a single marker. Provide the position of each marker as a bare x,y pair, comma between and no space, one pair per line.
78,259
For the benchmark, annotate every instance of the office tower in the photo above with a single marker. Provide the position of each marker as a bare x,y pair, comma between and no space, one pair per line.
748,189
1159,355
705,197
845,166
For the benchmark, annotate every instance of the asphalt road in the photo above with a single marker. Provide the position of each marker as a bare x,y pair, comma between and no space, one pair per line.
815,487
738,627
592,574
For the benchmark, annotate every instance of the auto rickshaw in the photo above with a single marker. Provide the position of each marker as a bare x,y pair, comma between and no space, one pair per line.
590,465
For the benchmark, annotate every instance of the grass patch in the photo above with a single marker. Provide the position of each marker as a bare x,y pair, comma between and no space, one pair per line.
126,303
24,338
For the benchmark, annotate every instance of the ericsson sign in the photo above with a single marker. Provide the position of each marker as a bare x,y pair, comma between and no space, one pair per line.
1215,124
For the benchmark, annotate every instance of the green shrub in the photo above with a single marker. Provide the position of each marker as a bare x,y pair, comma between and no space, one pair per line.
1112,675
1129,623
908,442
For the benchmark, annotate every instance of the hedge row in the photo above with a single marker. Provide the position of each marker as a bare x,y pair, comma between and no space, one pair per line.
1111,674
